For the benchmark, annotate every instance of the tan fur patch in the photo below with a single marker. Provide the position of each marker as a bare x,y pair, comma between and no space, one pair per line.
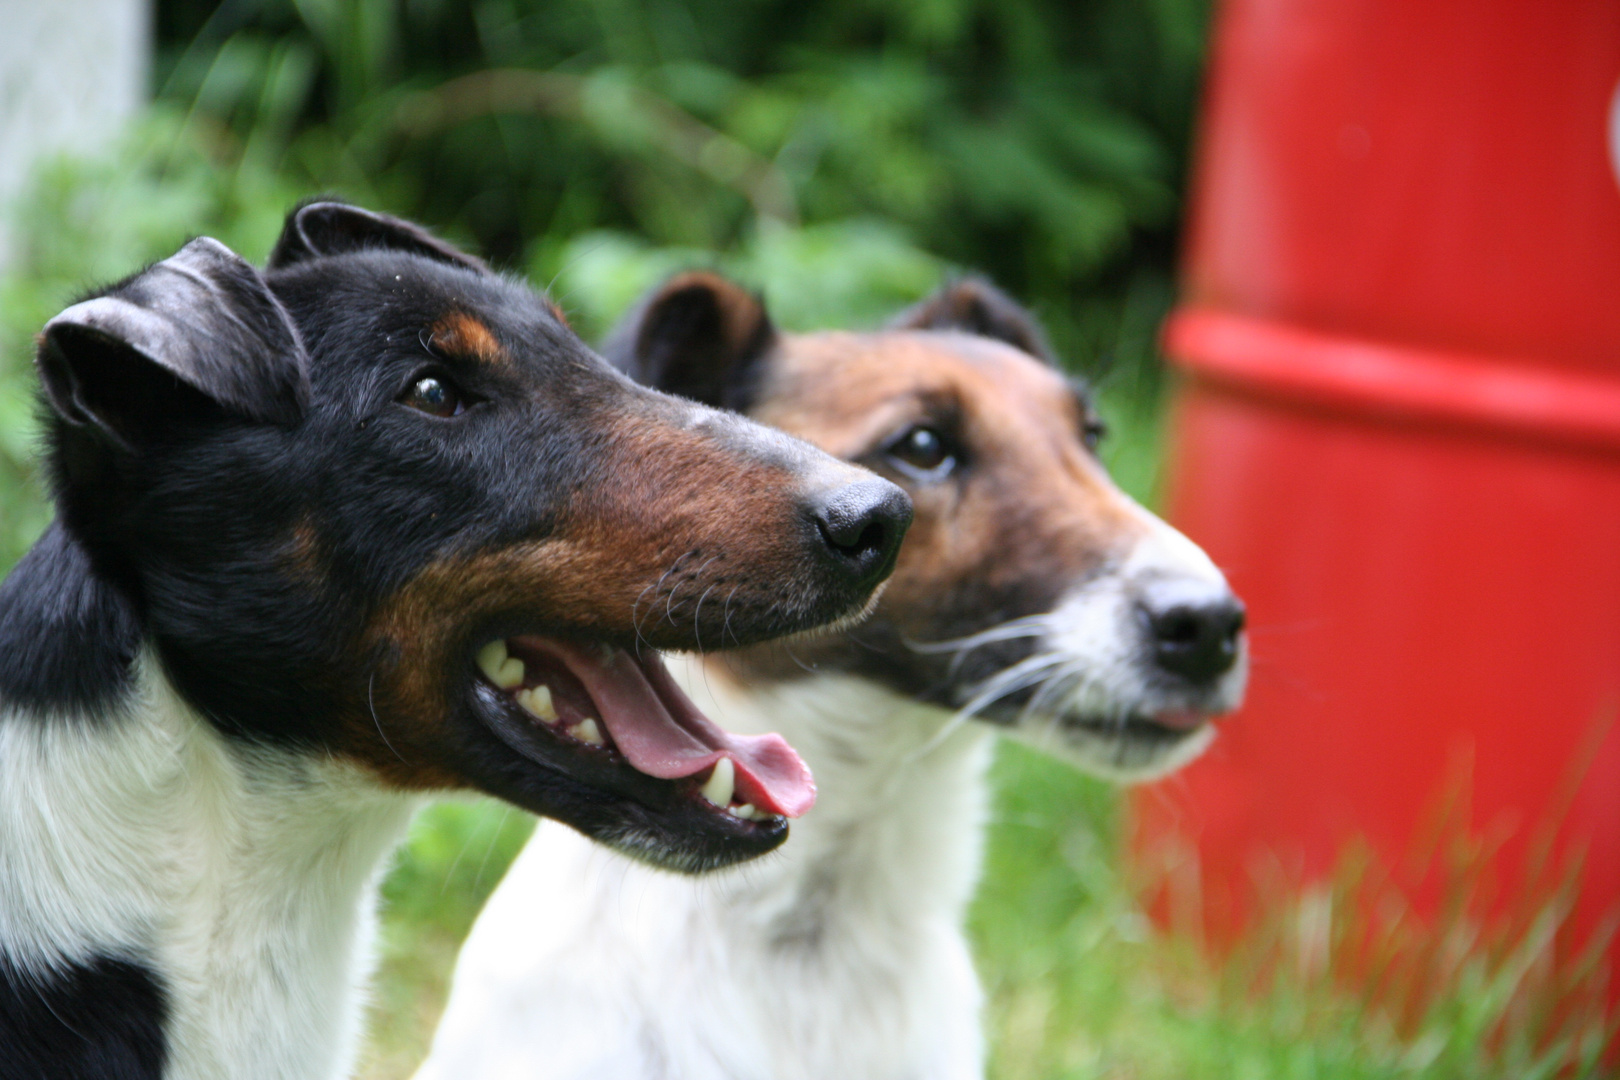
1030,508
463,335
302,555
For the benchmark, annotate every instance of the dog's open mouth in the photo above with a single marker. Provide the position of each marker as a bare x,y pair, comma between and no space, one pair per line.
618,709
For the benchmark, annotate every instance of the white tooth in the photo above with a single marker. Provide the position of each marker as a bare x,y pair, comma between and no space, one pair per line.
587,731
607,651
510,674
721,782
538,702
490,659
746,811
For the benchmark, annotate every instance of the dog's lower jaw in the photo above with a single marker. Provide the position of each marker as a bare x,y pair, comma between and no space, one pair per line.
765,972
239,879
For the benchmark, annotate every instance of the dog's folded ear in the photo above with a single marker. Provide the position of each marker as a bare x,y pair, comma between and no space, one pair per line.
199,329
699,335
974,306
333,228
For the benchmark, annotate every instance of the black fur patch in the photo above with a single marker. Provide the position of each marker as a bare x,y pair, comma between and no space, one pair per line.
97,1021
203,525
321,228
67,637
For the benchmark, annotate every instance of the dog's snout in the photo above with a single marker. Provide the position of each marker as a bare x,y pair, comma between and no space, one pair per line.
1194,626
862,524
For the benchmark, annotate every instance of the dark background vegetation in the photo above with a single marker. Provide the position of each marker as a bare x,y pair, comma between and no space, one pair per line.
1044,141
842,156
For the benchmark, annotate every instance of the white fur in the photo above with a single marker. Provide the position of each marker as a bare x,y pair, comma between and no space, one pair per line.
841,956
1089,658
242,877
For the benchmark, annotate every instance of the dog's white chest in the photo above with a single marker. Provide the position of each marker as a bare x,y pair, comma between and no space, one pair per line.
841,955
282,937
235,878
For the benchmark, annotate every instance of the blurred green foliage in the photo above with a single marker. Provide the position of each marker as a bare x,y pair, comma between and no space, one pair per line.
1041,140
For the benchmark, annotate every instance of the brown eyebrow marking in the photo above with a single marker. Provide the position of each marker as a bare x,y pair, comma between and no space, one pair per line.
302,557
461,334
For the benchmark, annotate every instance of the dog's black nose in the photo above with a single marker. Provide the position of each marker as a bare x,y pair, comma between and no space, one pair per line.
862,525
1194,626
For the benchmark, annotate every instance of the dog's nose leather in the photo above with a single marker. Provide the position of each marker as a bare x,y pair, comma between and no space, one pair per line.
861,525
1194,626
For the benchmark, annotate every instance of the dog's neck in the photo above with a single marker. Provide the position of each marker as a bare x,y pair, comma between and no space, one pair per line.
233,879
842,954
851,936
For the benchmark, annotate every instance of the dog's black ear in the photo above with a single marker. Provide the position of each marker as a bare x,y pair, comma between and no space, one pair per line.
333,228
975,306
199,327
699,336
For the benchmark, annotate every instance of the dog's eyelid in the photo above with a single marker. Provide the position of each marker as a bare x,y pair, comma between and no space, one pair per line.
941,411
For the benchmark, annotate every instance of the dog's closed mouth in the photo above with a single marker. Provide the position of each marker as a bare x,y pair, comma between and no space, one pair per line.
605,700
1164,727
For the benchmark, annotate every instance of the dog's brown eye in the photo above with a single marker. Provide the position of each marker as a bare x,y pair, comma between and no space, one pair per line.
434,395
923,452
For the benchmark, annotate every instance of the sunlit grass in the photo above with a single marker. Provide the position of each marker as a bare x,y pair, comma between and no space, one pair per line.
1340,980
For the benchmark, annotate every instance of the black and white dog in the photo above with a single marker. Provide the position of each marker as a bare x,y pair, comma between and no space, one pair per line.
1032,597
368,524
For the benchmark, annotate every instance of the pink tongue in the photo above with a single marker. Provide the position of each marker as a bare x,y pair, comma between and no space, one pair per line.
661,733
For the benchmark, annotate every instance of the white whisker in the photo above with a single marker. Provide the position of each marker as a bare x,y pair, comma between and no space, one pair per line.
1027,626
1026,673
1011,630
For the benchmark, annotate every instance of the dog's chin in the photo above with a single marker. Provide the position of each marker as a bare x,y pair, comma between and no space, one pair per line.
686,840
1126,749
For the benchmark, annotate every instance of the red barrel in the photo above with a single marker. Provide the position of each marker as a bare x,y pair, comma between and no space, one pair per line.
1398,430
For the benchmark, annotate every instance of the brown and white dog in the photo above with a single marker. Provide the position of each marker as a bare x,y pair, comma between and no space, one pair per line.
1032,597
